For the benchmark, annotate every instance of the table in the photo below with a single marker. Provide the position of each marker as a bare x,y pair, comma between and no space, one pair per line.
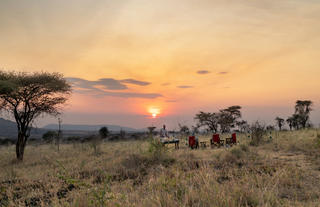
174,141
203,144
228,140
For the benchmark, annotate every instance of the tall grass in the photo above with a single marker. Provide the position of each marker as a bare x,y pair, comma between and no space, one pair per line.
281,172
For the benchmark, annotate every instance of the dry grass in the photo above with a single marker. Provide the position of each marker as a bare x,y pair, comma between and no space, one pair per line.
283,171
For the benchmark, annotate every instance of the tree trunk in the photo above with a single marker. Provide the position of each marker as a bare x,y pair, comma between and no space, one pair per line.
20,145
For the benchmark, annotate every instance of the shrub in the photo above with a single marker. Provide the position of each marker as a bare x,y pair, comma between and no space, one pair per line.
7,142
258,131
95,142
49,136
136,166
156,149
104,132
237,156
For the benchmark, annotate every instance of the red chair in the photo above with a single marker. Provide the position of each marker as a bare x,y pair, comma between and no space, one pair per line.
216,141
193,142
234,138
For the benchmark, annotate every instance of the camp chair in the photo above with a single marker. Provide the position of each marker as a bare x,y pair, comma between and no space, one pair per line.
216,141
234,138
192,142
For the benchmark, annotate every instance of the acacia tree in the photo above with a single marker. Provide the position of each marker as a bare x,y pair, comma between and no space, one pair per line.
290,122
303,109
210,120
228,118
27,96
296,120
280,122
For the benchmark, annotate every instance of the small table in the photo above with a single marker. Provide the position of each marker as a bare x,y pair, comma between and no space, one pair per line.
228,140
175,142
203,144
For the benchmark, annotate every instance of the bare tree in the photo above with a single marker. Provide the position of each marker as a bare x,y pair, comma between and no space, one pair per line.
195,129
28,95
151,130
243,126
184,129
280,122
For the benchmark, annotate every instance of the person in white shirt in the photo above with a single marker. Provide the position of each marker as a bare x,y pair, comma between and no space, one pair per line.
163,132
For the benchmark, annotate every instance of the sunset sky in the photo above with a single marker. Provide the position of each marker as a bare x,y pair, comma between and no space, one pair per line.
128,59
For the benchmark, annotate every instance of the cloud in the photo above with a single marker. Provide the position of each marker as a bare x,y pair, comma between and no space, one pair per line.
135,82
184,86
83,86
110,84
202,72
129,94
107,83
223,73
165,84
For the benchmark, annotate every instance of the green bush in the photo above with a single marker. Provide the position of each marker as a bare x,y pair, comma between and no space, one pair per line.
157,150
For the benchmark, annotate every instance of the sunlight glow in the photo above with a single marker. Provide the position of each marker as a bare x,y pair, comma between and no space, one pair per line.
154,112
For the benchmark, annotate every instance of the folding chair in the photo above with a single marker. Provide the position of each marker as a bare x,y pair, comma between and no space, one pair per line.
216,141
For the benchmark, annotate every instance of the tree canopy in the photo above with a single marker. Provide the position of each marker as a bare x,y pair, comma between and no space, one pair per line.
225,119
104,132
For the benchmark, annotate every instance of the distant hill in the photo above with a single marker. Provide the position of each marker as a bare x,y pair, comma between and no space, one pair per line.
8,129
74,127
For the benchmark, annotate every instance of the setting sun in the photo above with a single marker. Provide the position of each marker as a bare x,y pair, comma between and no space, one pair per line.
154,112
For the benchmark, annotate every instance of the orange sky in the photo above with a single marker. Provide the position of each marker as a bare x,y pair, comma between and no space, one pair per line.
179,56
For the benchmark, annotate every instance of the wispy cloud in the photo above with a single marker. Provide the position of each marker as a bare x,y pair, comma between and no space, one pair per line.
184,86
83,86
107,83
203,72
135,82
223,73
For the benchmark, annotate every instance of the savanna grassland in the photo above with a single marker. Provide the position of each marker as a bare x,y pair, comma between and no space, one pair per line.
282,171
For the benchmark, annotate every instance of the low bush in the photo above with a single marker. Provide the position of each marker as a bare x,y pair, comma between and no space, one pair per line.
137,165
258,131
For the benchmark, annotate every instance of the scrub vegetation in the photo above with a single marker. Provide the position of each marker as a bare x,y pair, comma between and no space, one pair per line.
280,169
